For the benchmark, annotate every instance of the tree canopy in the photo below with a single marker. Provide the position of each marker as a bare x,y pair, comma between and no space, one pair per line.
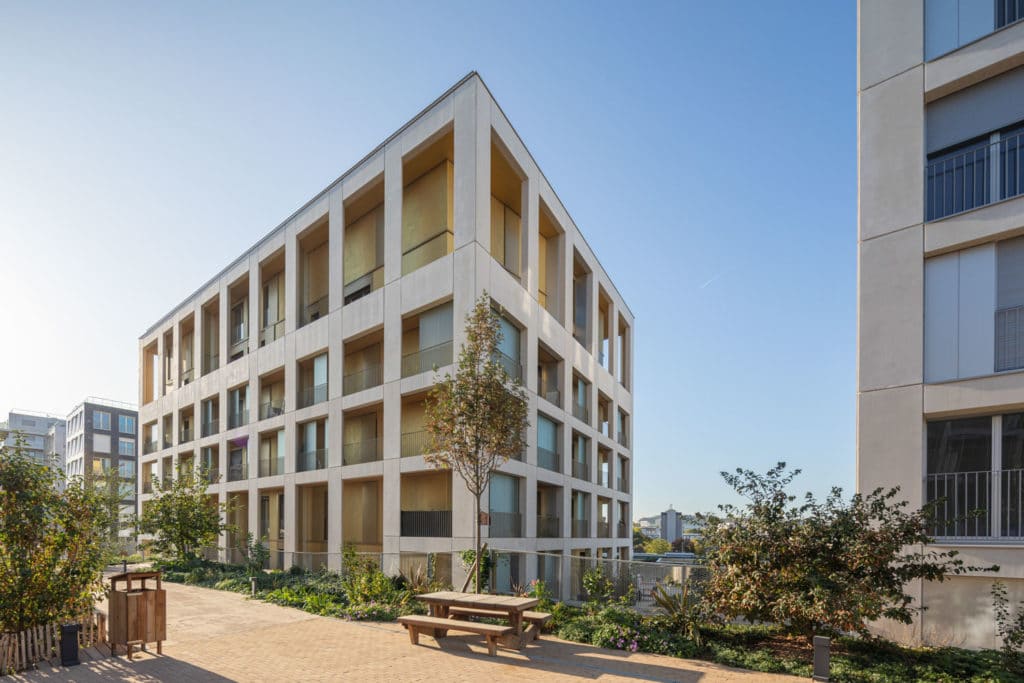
182,518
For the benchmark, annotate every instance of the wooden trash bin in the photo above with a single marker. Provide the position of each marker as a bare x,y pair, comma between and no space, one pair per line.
137,612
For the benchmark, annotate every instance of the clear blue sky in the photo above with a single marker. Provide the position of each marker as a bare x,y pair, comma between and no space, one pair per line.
707,150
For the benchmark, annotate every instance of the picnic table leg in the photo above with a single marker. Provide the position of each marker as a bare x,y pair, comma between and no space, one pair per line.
515,619
442,612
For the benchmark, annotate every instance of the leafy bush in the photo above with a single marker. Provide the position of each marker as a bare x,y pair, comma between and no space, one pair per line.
255,554
1010,628
598,586
683,609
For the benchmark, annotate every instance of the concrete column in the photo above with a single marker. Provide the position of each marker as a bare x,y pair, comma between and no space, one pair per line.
392,212
531,238
255,288
335,259
334,515
291,280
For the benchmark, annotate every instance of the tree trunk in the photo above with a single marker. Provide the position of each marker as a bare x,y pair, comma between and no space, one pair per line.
479,560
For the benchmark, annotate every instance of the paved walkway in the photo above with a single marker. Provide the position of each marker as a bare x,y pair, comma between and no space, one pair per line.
220,636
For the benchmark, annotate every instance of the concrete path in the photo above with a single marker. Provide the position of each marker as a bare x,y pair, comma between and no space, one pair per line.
220,636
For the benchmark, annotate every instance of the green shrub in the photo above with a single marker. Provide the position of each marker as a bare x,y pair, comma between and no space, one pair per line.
598,586
1010,628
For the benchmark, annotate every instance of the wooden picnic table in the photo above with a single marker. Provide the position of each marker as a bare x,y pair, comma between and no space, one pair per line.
440,602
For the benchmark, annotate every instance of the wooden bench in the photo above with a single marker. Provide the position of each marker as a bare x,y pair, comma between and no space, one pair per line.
537,619
437,627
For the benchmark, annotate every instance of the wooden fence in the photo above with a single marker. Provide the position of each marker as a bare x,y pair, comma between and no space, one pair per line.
19,651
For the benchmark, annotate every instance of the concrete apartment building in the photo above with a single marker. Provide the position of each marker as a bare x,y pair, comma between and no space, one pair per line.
941,288
43,434
102,436
297,374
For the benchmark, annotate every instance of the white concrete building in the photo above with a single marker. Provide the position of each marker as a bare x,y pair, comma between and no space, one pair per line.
43,434
297,374
671,526
941,288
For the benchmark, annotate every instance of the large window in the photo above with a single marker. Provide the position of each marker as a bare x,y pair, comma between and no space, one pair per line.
101,420
950,24
126,447
976,487
126,424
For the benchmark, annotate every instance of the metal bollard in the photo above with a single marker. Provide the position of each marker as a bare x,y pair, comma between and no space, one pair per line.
124,566
252,586
822,656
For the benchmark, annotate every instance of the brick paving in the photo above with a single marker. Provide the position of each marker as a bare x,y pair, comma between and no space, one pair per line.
220,636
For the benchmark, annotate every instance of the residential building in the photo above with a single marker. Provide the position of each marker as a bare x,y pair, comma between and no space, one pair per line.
671,526
102,437
941,290
43,435
296,376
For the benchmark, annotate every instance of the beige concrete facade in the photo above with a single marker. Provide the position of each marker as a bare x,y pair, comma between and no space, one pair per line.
925,359
188,406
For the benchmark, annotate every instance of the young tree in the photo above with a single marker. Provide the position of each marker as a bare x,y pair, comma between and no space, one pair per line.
51,543
640,539
181,517
657,546
818,566
477,419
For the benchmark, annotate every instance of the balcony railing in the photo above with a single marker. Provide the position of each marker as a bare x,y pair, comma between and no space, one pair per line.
604,529
210,427
364,284
186,435
581,412
239,347
623,485
581,528
271,409
977,505
167,442
370,376
549,459
211,362
1010,338
505,525
271,466
147,486
624,439
239,470
187,375
149,447
415,443
312,460
549,526
553,396
512,367
427,359
315,310
310,396
427,523
581,470
238,419
973,177
271,332
357,452
212,474
427,251
623,530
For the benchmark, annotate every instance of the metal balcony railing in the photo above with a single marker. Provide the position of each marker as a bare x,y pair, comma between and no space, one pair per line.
371,376
311,460
427,523
603,529
415,443
315,310
978,175
310,396
271,332
356,452
512,367
977,505
186,435
271,409
549,459
581,470
581,528
427,359
549,526
505,525
238,419
239,471
149,447
210,427
581,412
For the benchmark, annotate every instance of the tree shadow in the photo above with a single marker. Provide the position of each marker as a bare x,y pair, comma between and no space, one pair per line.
98,665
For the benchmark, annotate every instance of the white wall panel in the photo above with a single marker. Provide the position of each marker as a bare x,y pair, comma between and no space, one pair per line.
941,294
977,305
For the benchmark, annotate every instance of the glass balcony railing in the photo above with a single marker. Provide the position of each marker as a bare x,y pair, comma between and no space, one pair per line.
239,342
315,310
238,419
147,486
310,396
581,528
311,460
212,474
271,332
622,530
271,466
364,284
167,442
623,485
150,447
427,359
271,409
370,376
512,367
974,176
548,459
581,470
427,523
211,362
553,396
357,452
429,250
624,439
185,435
581,412
210,427
187,375
549,526
238,470
415,443
505,525
603,529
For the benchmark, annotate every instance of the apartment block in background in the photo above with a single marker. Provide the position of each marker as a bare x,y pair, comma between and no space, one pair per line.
43,435
102,437
941,289
296,377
